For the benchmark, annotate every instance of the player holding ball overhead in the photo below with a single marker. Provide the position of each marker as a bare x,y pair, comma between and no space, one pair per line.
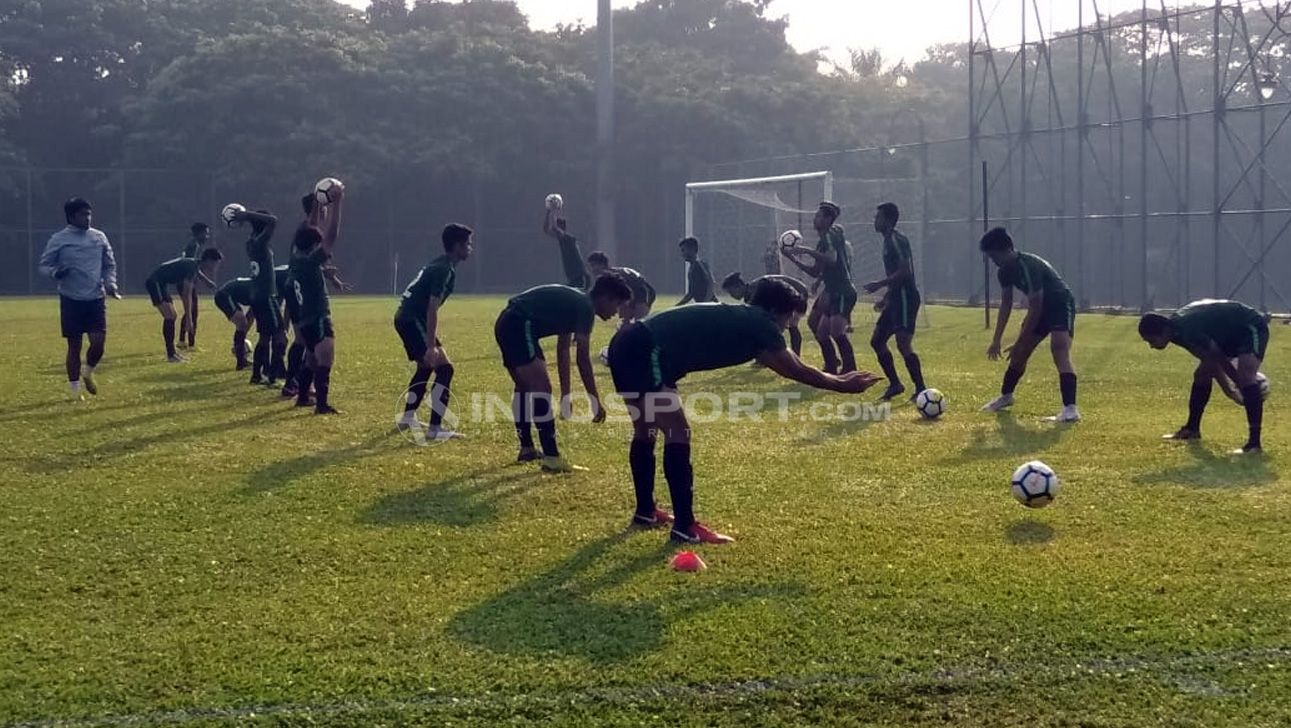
555,226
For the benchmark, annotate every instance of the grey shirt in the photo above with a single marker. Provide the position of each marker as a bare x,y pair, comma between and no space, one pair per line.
86,256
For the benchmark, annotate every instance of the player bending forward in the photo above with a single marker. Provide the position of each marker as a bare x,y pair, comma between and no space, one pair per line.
1051,312
561,311
181,274
233,299
648,358
736,288
1218,333
643,294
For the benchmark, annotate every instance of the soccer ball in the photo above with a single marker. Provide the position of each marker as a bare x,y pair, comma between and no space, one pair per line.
1035,485
931,403
790,238
1263,381
554,201
325,190
230,213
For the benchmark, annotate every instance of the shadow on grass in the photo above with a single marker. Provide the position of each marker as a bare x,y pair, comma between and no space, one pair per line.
177,374
466,500
559,612
1209,470
284,472
1013,439
1029,533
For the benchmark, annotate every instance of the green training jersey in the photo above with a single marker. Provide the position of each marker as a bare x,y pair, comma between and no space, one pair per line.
555,309
435,280
238,290
642,291
308,285
282,279
792,282
837,277
191,249
175,272
261,256
1227,323
1032,274
712,336
571,259
896,251
699,281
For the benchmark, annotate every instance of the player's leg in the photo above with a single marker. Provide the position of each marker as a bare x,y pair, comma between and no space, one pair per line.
1202,384
167,310
670,418
907,321
522,414
1018,358
96,329
641,461
73,362
265,331
840,323
883,330
1060,347
818,322
415,347
295,362
439,396
324,357
1248,366
193,308
535,384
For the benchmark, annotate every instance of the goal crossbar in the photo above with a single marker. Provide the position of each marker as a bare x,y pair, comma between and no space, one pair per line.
826,178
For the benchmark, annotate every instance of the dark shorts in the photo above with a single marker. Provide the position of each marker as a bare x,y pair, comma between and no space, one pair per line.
1253,339
634,362
224,302
292,306
82,317
266,312
1059,315
836,303
899,315
313,332
157,291
413,335
514,334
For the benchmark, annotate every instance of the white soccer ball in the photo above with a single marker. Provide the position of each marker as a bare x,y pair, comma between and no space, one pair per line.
230,213
931,403
1263,381
1035,485
790,238
325,190
554,201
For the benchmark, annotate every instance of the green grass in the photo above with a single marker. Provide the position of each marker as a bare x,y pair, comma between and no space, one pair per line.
188,549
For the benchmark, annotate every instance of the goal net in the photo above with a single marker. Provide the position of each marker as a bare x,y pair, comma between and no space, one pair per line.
738,220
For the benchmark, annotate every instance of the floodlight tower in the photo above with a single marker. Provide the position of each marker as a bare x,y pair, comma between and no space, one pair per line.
605,237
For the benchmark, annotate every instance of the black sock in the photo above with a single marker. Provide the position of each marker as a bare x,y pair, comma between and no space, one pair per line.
322,383
168,333
846,354
304,379
546,424
1067,384
1011,378
260,358
795,341
183,329
1253,401
278,368
681,483
440,394
295,357
416,389
240,347
915,367
830,355
641,460
192,329
1197,401
888,366
520,408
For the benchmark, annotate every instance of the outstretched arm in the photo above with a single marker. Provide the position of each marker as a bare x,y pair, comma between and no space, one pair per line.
562,365
588,375
785,363
333,274
549,225
1001,322
332,229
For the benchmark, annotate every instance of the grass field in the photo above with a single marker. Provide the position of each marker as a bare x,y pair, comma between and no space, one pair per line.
186,549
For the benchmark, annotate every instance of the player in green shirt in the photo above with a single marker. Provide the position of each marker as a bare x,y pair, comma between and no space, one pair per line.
736,288
264,307
201,237
417,323
699,279
647,359
1218,333
230,299
179,274
831,263
900,305
1051,312
560,311
311,251
571,258
643,294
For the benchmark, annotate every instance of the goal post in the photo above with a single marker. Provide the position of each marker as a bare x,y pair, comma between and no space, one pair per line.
766,184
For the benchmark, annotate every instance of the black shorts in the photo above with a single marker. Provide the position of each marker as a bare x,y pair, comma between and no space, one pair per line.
82,317
514,334
266,312
900,314
157,291
1059,315
413,335
313,332
1253,339
224,302
634,363
836,303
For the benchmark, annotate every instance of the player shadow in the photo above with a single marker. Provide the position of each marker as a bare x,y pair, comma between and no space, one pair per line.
466,500
178,373
283,473
565,611
838,428
1211,470
1029,532
1014,439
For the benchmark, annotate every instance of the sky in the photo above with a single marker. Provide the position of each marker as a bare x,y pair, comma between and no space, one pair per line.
902,29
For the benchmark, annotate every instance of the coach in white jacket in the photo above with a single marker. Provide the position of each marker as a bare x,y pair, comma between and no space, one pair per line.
80,259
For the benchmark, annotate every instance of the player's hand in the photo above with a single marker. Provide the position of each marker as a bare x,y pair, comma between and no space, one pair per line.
872,286
566,407
598,410
337,193
857,382
993,351
113,292
1236,396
